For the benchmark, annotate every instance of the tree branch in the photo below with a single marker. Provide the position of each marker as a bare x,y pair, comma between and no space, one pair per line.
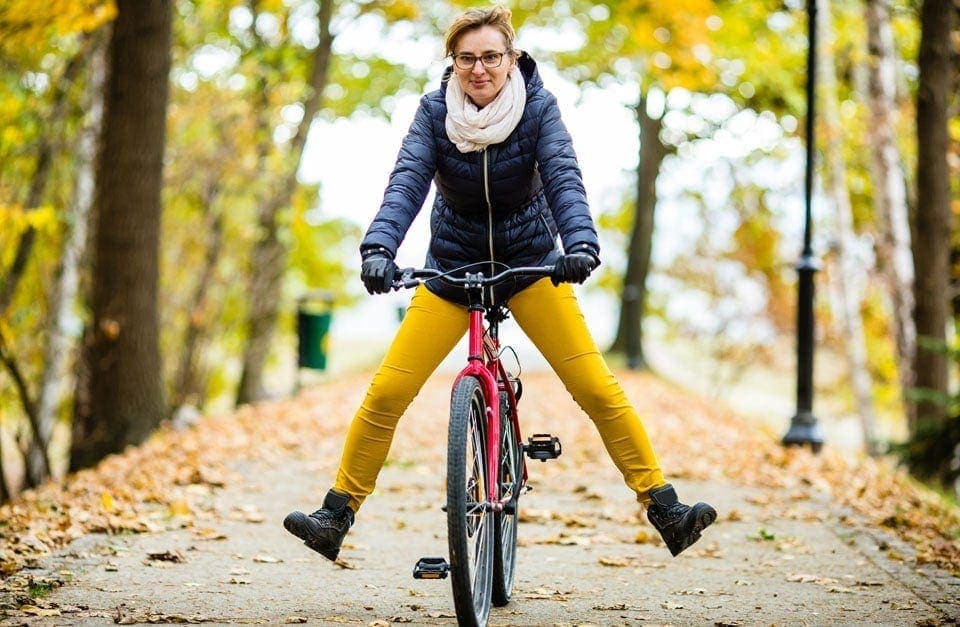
29,405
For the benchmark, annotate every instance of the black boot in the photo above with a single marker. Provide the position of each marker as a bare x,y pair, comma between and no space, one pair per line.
679,525
324,530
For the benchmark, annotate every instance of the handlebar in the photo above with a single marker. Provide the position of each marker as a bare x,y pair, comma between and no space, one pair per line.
412,277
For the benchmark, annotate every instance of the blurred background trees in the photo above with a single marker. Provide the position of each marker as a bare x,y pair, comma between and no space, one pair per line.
155,232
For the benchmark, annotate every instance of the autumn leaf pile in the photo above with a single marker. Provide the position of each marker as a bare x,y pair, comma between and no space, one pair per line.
163,483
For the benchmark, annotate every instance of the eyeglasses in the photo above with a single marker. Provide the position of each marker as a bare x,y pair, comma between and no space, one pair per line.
489,59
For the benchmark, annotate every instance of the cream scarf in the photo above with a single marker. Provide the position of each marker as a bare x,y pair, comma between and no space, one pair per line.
473,129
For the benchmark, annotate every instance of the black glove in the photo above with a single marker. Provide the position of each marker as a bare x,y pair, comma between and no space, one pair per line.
574,268
377,272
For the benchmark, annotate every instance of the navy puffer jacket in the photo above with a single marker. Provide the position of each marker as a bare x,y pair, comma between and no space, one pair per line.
532,180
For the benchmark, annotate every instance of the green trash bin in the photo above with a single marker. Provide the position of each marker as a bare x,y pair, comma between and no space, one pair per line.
313,327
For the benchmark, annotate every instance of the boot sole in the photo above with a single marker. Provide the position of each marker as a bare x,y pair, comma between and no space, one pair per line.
705,517
296,523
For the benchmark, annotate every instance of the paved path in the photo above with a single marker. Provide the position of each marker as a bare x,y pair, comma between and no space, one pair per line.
771,558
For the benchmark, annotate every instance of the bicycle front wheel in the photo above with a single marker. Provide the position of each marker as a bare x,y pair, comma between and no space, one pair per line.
469,520
505,522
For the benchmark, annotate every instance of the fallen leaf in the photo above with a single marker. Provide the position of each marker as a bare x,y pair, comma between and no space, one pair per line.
734,515
209,533
618,606
266,559
33,610
247,513
645,537
294,620
179,508
167,556
547,593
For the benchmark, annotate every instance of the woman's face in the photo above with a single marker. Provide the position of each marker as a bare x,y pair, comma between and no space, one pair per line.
481,83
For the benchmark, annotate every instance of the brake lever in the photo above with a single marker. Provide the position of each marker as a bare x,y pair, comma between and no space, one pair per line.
406,280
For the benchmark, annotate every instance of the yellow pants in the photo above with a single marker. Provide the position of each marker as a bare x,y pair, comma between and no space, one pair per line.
432,326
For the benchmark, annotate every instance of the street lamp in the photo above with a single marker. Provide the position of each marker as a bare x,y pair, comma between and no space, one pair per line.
804,429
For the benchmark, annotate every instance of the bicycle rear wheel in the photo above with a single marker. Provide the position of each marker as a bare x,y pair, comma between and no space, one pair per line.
469,522
505,522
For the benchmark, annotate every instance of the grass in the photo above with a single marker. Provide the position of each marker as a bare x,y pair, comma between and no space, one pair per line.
40,589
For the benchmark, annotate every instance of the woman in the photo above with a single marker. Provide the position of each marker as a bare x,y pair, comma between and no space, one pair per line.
508,183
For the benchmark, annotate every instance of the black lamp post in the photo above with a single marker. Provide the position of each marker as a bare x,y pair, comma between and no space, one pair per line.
804,429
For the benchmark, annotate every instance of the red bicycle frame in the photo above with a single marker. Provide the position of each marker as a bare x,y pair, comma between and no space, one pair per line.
483,363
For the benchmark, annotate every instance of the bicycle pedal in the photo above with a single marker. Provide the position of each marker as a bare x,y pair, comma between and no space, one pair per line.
543,446
431,568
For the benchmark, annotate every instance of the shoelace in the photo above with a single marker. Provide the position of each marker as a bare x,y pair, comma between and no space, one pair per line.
328,518
673,513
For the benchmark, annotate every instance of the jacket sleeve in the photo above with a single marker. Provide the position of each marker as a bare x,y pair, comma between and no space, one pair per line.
407,186
563,183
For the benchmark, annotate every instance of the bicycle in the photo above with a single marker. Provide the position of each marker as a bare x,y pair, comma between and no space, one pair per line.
484,442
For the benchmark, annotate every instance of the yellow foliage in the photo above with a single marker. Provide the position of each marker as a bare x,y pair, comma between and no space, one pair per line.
270,6
666,36
28,26
397,10
14,219
11,136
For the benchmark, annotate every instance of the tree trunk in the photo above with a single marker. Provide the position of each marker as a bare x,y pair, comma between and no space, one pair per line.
629,338
932,225
890,193
268,259
60,348
850,277
126,395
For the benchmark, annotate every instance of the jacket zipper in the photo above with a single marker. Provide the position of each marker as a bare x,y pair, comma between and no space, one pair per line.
486,193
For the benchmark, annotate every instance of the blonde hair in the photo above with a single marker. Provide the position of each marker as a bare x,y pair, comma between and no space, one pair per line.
497,16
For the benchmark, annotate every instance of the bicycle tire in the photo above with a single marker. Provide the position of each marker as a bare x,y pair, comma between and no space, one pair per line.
505,522
469,523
